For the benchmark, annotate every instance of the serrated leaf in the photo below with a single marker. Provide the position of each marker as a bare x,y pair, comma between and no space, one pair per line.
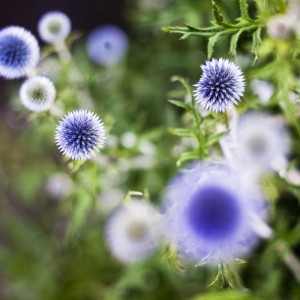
256,39
214,138
182,132
179,104
217,13
244,9
185,157
233,42
211,43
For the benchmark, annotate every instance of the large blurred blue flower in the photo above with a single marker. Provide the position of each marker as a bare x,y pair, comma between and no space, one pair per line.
19,52
220,86
210,214
106,45
79,134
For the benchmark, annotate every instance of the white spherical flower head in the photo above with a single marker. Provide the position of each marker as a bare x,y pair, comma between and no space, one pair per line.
37,93
132,232
19,52
220,86
210,213
107,45
54,27
260,139
80,134
281,26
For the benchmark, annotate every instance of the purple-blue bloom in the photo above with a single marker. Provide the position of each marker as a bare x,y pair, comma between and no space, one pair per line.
79,134
210,214
19,52
106,45
220,86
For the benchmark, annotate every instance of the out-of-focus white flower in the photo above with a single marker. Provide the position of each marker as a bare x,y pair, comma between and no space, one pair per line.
263,89
256,142
54,27
280,26
58,186
132,232
37,93
128,139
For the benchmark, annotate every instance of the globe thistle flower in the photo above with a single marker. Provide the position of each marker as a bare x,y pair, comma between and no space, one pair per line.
19,52
80,134
257,141
220,86
37,93
210,214
107,45
54,27
132,231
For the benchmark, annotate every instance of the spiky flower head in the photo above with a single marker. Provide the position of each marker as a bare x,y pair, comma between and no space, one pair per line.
37,93
220,86
80,134
106,45
19,52
209,214
54,27
132,231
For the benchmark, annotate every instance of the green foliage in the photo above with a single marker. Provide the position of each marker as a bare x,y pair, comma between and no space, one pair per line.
55,248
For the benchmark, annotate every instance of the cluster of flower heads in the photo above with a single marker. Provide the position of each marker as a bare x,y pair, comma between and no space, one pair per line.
80,133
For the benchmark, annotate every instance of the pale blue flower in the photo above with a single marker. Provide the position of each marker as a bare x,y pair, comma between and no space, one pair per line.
80,134
220,86
209,214
107,45
19,52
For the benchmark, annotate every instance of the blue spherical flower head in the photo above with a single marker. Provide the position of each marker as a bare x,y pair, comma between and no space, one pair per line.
19,52
210,214
80,134
106,45
220,86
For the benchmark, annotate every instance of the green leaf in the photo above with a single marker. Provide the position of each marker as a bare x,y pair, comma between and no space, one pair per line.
226,295
179,104
256,40
217,13
233,42
185,157
182,132
244,9
214,138
211,43
185,84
